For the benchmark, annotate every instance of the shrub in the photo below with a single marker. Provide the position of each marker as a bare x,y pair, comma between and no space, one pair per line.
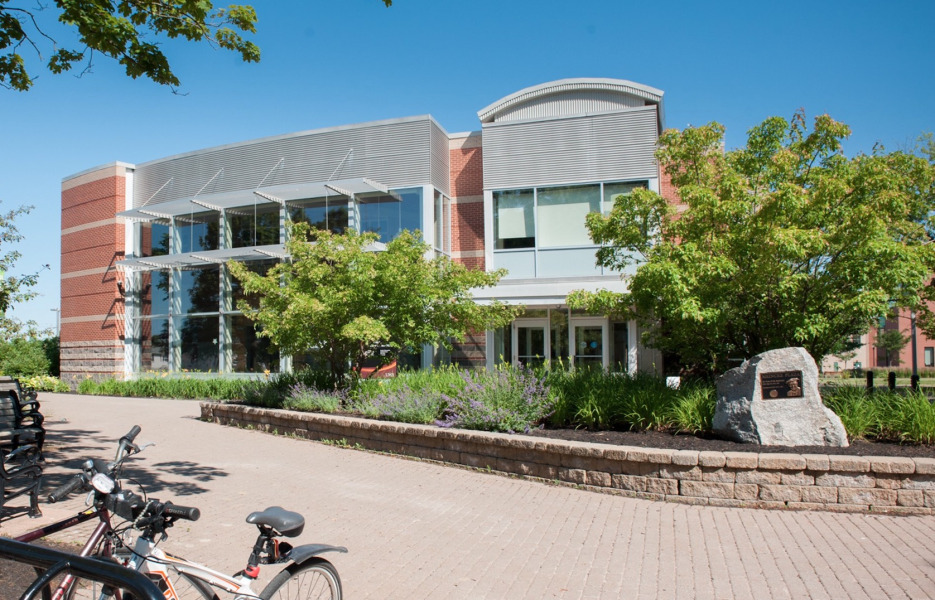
693,409
507,400
44,383
860,413
21,357
306,398
401,403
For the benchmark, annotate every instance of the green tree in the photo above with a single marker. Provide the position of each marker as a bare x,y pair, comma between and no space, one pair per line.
344,302
891,341
784,242
14,289
23,357
119,29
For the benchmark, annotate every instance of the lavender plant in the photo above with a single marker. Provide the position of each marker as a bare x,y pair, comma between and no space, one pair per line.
308,398
506,400
402,403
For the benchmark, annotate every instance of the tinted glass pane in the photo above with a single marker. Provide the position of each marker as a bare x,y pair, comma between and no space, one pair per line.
388,215
198,290
562,212
154,344
155,293
620,339
250,353
198,337
329,215
154,239
254,227
612,190
261,267
559,325
201,234
530,345
589,346
513,219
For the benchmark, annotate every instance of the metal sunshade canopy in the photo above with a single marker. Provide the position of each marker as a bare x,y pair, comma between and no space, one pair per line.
194,260
277,194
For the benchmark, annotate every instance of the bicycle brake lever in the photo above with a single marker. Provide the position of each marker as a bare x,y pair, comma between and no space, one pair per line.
145,446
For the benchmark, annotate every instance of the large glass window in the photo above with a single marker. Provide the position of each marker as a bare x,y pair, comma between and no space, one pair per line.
612,190
619,360
254,226
250,352
154,239
155,293
198,233
154,344
514,223
198,339
260,267
326,214
199,290
389,214
561,213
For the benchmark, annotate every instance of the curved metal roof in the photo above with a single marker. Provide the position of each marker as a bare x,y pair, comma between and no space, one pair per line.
490,113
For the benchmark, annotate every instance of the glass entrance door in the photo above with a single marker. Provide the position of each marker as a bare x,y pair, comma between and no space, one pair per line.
530,342
589,343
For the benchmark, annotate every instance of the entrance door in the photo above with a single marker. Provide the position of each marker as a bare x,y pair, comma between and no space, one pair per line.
589,342
530,342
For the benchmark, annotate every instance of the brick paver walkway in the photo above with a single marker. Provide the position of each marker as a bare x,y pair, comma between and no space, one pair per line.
422,530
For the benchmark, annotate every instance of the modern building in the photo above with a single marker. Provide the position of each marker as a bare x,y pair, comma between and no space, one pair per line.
144,286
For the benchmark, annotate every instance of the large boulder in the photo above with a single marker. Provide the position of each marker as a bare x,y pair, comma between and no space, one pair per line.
772,399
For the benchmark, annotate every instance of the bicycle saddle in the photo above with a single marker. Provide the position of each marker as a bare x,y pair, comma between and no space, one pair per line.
286,522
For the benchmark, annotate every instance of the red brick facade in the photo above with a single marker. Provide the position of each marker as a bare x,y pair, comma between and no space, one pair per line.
92,306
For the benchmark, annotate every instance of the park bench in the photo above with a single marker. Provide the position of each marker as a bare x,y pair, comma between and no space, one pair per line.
21,474
20,419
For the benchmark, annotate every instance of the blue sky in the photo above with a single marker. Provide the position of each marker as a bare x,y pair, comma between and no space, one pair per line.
337,62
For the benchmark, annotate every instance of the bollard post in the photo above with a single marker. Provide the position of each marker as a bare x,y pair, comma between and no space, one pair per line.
869,381
914,383
891,380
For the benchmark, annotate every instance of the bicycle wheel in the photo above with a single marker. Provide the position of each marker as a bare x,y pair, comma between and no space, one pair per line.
316,579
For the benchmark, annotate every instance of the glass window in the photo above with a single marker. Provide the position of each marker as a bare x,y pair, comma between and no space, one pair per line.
256,226
154,239
327,214
503,344
389,214
154,344
513,220
261,267
612,190
930,357
199,290
155,293
198,338
198,233
620,359
561,215
250,353
442,215
559,324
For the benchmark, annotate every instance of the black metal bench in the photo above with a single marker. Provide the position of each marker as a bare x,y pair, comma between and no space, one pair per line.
20,421
20,475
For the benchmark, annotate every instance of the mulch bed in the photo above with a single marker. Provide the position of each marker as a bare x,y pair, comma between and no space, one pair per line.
658,439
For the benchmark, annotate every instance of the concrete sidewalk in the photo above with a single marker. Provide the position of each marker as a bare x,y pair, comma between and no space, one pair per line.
421,530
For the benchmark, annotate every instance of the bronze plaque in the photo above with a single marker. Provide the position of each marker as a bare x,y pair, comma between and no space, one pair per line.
781,384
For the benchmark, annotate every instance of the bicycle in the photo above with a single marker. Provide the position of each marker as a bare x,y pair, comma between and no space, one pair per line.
304,572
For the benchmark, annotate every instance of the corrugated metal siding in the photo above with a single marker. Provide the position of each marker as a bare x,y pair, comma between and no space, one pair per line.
441,160
395,154
596,148
581,102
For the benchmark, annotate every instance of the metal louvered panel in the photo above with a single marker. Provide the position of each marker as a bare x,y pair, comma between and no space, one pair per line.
580,102
396,153
603,147
441,160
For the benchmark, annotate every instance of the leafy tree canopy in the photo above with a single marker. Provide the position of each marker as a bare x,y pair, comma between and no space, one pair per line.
120,29
15,289
342,302
784,242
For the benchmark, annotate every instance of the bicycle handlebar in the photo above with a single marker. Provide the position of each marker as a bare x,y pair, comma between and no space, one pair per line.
131,435
189,513
66,489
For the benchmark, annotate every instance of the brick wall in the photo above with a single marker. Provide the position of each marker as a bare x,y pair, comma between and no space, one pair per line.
467,202
92,306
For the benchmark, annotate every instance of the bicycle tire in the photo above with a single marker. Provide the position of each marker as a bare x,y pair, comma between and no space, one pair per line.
316,579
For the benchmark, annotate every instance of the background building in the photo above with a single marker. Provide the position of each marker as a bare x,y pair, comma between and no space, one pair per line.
144,286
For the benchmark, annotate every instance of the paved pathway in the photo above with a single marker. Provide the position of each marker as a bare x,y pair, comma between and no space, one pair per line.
421,530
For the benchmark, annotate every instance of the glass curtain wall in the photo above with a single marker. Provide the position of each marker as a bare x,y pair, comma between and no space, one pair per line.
187,322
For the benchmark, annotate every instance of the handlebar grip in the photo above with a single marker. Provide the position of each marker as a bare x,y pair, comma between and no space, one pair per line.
66,489
131,435
189,513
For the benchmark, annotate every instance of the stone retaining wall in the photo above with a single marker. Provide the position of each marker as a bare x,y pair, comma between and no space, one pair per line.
748,479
